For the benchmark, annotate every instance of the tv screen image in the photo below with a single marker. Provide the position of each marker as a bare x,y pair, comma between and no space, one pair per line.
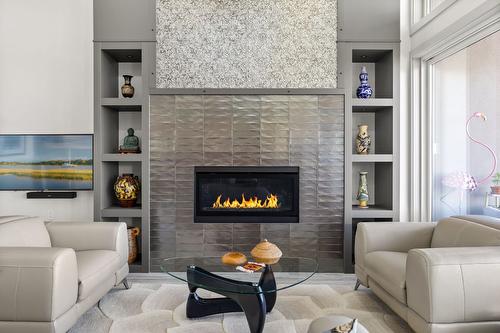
46,162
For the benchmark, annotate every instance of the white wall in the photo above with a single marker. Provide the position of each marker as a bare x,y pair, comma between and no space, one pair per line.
46,85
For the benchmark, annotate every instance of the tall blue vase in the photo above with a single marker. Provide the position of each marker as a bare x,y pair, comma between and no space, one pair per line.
364,90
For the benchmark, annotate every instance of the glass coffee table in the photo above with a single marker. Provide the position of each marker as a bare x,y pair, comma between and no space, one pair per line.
251,293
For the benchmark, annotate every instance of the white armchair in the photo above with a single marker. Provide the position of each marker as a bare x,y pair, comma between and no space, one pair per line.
438,277
53,273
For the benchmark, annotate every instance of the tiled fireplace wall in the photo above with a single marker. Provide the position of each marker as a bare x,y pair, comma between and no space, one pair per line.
272,130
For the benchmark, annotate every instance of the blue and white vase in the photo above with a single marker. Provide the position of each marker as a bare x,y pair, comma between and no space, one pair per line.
364,90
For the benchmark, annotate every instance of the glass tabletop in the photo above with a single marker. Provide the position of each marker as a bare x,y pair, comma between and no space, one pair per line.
287,272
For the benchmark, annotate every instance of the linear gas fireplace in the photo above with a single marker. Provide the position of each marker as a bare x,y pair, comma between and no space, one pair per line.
246,194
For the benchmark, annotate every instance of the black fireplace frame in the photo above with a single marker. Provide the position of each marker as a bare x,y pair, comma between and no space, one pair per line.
293,218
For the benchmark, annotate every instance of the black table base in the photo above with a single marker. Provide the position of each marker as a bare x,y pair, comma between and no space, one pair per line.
254,299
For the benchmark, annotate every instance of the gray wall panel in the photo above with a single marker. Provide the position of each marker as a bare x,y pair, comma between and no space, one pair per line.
196,130
124,21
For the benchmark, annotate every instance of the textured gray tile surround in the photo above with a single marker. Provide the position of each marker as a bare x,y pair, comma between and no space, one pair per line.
246,44
304,131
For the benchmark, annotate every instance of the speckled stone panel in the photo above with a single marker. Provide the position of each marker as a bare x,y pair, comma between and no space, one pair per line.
304,131
246,44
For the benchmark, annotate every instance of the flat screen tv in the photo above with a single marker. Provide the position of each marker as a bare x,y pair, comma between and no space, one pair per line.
46,162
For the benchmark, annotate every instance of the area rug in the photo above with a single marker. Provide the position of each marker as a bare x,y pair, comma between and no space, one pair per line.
160,307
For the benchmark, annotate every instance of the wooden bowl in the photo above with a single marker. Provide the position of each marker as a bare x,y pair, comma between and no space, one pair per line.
266,252
234,259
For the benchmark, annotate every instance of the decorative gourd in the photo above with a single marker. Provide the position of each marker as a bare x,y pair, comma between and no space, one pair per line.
234,258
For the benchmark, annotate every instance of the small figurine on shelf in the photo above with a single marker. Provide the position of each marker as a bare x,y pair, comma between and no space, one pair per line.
364,90
130,143
127,88
363,140
363,196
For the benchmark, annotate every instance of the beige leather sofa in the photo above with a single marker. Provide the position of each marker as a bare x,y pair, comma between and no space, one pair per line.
52,273
440,278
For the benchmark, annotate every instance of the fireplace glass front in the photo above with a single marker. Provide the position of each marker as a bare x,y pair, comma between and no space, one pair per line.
246,195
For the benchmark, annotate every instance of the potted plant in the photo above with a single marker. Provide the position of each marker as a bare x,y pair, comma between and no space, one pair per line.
496,181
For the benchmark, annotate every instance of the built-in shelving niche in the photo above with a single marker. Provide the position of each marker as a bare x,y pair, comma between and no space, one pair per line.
379,121
110,171
380,113
379,64
114,115
118,62
118,216
379,181
110,209
117,122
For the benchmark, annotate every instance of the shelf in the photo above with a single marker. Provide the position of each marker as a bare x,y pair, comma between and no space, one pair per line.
116,211
370,104
123,104
369,55
124,55
372,212
122,157
372,158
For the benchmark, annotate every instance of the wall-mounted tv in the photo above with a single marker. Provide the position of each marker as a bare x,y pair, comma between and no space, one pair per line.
46,162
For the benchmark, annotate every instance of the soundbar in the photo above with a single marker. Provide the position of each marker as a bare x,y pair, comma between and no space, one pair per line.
51,195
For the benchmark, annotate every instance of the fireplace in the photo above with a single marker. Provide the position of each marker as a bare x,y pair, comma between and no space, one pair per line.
246,194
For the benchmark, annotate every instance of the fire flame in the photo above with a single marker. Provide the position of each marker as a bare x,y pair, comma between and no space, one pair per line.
270,202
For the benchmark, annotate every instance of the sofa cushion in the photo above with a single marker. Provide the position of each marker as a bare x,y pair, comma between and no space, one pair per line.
23,231
94,267
465,231
388,269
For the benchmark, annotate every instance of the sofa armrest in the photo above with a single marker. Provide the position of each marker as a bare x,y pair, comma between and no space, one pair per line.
82,236
391,236
446,285
37,283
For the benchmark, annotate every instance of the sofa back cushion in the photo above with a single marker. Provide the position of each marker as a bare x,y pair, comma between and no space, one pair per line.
23,231
463,231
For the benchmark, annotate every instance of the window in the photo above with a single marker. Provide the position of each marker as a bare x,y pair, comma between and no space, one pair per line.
463,84
421,8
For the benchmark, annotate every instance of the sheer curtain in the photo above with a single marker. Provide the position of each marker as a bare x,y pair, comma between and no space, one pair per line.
465,83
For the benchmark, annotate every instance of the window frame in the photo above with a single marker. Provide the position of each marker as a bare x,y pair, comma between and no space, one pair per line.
422,14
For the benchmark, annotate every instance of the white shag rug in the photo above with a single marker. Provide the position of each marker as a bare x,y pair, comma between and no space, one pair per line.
156,307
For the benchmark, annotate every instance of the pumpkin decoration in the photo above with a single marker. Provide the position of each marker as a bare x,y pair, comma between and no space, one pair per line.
234,259
266,252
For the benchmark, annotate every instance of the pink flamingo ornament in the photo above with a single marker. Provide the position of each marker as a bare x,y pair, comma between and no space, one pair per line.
463,181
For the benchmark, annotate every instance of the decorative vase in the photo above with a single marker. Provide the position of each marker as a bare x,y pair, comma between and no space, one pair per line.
363,140
363,190
127,88
364,90
132,232
127,187
266,252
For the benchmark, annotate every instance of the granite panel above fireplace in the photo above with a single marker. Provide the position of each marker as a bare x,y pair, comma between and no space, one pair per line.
306,131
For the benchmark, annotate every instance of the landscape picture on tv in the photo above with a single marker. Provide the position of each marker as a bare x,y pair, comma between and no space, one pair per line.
46,162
